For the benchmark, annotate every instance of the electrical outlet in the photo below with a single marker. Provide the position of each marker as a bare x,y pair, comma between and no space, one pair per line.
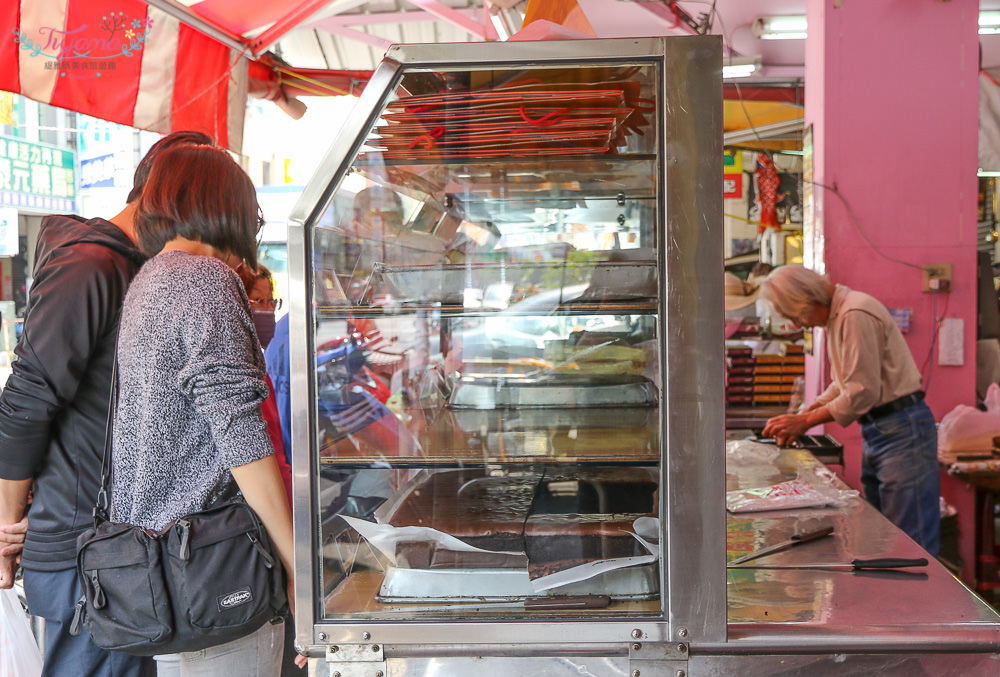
937,277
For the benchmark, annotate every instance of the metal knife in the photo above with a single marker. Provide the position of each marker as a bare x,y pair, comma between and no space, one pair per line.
784,545
853,565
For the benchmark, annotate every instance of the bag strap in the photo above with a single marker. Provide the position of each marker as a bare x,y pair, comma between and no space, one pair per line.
100,512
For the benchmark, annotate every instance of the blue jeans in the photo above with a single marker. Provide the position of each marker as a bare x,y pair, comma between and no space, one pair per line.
899,472
52,595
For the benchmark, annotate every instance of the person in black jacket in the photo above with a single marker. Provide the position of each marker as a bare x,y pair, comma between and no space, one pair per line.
54,410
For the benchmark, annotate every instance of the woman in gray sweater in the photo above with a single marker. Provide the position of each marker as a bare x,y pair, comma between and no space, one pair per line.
188,429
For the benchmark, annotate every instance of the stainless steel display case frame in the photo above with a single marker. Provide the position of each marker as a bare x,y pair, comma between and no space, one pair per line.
693,579
844,629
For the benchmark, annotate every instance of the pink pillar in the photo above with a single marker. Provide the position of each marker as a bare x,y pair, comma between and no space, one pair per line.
892,99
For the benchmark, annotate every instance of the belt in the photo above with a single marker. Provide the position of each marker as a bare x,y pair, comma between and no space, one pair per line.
891,407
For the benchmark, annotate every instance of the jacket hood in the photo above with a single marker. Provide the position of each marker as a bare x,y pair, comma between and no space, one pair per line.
66,229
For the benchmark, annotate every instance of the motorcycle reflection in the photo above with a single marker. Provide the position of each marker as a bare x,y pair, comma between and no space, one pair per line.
354,422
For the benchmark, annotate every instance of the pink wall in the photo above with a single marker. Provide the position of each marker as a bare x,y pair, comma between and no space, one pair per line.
892,94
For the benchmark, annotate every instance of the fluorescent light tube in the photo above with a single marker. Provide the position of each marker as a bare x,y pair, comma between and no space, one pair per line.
780,27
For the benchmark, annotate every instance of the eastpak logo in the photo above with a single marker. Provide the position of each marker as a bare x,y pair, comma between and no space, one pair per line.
235,599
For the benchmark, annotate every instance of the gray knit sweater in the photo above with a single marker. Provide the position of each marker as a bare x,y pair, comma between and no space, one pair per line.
191,381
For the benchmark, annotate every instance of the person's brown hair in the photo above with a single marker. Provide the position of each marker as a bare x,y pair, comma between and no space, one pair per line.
142,170
200,193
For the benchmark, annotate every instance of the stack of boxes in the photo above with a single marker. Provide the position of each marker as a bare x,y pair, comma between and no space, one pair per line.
739,376
767,380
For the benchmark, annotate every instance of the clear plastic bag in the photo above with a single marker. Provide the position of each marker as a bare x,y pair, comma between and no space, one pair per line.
966,428
19,654
802,492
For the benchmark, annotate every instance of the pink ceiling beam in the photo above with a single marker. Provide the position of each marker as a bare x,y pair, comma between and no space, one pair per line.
452,16
376,18
288,22
491,31
367,38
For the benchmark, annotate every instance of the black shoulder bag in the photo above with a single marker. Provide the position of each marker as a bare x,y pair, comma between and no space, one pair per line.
207,578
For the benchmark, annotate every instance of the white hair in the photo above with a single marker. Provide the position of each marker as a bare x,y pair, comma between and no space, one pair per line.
793,290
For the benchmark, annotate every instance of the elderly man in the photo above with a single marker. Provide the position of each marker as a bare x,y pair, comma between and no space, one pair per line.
875,382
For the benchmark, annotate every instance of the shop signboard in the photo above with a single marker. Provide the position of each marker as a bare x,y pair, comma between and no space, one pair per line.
98,172
8,231
36,176
732,168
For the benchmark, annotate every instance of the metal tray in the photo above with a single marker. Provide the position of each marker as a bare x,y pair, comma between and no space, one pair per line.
508,585
537,419
608,280
554,390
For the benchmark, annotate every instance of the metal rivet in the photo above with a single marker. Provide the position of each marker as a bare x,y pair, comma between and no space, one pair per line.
321,636
379,673
637,634
680,673
366,635
635,673
682,632
682,648
335,674
375,648
636,646
621,219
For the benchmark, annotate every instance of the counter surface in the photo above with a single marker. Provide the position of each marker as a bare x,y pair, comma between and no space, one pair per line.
774,606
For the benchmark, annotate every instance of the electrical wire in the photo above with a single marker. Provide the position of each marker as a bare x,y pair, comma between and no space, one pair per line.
836,191
928,364
857,225
936,320
728,48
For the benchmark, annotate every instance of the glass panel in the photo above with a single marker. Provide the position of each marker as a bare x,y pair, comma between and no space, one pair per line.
487,353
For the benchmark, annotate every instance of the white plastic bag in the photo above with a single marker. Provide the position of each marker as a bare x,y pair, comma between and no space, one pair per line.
19,655
747,452
966,428
802,492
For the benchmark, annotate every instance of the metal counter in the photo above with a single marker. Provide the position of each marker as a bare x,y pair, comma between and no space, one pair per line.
807,610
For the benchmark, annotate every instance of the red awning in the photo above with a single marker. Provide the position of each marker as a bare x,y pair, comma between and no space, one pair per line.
130,62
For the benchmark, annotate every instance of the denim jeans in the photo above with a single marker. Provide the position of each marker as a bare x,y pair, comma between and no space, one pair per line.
256,655
53,596
899,472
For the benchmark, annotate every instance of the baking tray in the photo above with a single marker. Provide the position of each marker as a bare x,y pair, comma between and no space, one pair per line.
402,586
554,390
826,449
536,419
447,284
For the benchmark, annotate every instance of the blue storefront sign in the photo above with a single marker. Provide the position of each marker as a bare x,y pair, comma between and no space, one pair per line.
98,172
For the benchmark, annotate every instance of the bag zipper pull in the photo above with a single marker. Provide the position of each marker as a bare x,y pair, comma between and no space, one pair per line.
268,562
100,601
185,527
77,624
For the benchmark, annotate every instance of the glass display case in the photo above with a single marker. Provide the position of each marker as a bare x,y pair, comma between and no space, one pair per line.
501,415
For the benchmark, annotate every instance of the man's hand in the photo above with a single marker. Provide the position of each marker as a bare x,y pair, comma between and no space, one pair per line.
14,498
12,537
8,565
785,429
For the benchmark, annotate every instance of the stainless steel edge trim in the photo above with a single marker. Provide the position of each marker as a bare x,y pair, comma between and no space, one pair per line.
308,209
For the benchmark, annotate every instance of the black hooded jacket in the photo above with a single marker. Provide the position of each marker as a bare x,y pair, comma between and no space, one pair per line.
54,409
